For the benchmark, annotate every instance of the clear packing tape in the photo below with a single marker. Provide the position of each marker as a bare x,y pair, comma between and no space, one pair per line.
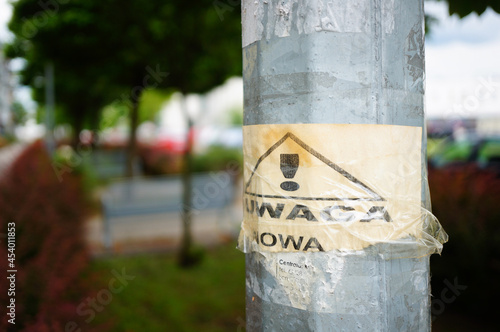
335,187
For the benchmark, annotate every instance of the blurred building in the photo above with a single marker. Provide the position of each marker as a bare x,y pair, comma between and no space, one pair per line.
443,127
471,102
6,95
217,117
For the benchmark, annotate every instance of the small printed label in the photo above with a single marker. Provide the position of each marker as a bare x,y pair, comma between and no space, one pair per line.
290,270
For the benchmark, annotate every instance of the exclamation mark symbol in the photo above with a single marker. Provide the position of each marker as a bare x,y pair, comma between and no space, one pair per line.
289,163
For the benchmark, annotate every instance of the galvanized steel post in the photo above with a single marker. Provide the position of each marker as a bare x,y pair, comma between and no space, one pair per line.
338,62
49,108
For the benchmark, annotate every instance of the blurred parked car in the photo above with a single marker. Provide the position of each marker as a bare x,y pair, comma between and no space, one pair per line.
482,151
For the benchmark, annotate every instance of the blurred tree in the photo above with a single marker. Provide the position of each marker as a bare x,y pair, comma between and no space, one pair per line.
236,117
151,102
465,7
105,50
462,8
171,45
100,52
45,32
19,113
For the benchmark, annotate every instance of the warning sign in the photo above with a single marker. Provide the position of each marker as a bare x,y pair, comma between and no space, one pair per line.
319,187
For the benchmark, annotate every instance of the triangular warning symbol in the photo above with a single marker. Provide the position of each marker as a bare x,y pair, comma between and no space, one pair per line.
291,169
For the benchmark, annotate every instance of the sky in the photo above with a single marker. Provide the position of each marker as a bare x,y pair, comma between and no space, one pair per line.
472,29
461,55
462,67
5,13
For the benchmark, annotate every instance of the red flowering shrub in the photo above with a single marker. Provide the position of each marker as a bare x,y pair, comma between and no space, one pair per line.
466,201
157,161
50,253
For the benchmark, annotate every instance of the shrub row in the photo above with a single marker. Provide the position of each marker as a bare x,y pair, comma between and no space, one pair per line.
50,253
466,201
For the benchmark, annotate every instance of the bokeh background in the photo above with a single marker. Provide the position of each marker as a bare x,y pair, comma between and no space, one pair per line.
120,163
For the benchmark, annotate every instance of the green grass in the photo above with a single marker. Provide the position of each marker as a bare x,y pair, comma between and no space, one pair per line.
164,297
209,297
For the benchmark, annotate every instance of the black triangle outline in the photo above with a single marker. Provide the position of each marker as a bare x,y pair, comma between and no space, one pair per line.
335,167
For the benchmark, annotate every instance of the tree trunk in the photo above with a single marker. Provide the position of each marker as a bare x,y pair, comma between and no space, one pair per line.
77,128
94,126
132,142
187,256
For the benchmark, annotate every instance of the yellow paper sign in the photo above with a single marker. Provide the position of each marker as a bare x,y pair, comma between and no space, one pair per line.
320,187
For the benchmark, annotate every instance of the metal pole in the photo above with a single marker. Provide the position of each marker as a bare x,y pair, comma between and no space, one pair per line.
49,107
336,62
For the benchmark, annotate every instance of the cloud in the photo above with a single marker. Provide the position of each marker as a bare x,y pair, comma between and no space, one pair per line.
472,29
460,55
5,14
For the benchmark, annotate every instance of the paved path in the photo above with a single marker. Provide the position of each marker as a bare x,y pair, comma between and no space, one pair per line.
163,230
9,154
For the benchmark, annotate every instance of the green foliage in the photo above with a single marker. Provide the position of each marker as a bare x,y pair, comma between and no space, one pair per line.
55,35
151,102
443,152
6,140
164,297
19,113
236,117
112,115
217,158
68,162
465,7
110,51
490,151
